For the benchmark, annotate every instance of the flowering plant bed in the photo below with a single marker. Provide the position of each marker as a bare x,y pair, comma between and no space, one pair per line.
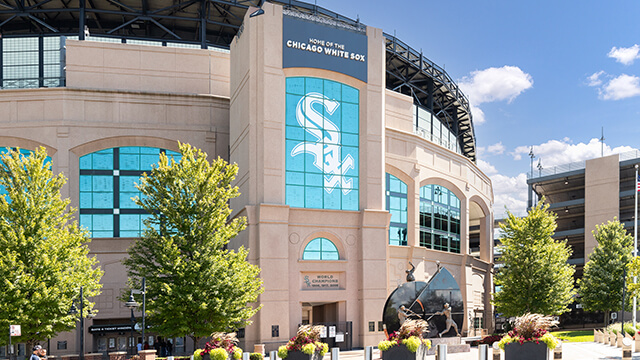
305,345
222,346
407,342
529,338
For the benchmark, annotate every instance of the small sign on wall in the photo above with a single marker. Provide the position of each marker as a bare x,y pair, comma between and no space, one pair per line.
321,281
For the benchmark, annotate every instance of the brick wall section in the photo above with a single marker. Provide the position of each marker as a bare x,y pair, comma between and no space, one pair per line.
147,355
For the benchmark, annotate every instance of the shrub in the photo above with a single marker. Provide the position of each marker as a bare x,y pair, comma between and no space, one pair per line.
218,354
409,334
615,328
531,328
489,340
306,340
256,356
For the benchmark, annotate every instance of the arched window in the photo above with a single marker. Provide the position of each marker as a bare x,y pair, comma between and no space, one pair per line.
396,196
107,184
23,152
320,249
439,219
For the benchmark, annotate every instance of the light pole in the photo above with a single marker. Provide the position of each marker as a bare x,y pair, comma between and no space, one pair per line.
74,311
635,240
132,304
532,156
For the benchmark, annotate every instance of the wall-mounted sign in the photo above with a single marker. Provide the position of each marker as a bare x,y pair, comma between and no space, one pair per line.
325,281
309,44
109,328
15,330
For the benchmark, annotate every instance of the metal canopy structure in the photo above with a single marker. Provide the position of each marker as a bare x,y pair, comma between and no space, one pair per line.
207,22
215,23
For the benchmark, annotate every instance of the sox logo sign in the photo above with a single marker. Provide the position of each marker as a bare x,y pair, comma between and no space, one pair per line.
326,150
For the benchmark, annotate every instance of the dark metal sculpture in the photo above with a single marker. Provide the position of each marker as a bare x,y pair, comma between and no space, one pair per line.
426,300
409,272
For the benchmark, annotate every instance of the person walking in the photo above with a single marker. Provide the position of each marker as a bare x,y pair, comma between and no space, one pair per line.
36,352
169,347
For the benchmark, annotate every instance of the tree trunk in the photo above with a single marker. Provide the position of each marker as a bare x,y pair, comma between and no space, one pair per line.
195,342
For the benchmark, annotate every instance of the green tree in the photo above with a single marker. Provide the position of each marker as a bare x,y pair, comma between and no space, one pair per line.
535,277
195,285
601,285
44,258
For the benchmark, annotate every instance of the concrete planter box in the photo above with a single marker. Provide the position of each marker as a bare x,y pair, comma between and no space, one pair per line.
299,355
526,351
400,352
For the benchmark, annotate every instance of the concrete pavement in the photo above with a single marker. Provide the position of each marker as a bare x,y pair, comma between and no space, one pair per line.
570,351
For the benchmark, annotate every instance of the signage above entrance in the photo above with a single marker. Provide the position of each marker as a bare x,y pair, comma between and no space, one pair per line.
321,281
309,44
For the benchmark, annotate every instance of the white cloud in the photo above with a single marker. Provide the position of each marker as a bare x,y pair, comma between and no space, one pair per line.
495,84
486,167
594,80
478,115
625,56
562,152
496,149
622,87
509,193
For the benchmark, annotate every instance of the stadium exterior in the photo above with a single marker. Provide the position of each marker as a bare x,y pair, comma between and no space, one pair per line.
356,152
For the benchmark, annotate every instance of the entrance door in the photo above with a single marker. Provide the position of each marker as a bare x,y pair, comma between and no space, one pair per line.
337,333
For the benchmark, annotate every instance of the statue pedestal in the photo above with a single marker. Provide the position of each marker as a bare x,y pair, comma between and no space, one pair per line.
454,345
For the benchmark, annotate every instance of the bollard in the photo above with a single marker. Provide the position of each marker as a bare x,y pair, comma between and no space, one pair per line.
368,353
619,338
246,355
273,355
637,342
557,352
441,352
612,339
626,349
335,353
496,351
483,352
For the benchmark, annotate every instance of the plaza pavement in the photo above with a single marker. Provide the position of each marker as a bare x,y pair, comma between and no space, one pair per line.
570,351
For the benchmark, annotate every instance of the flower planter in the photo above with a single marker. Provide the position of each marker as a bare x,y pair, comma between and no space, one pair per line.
526,351
299,355
400,352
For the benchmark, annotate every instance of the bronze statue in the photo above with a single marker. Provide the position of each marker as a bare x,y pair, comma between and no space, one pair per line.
449,322
410,276
404,313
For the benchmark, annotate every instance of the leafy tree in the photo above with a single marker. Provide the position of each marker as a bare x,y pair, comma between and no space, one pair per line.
44,258
535,277
195,285
602,283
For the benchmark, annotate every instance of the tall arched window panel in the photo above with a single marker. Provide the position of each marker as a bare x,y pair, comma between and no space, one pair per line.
107,184
396,199
23,152
439,219
320,249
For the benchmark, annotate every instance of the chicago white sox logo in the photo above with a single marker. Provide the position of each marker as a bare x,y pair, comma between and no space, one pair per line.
326,150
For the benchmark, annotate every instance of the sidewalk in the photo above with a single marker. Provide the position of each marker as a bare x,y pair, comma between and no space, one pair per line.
570,351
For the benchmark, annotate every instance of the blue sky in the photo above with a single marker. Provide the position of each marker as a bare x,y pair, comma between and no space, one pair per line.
547,74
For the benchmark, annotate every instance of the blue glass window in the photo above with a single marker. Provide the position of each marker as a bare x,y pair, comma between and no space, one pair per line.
107,186
396,198
322,153
320,249
439,219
